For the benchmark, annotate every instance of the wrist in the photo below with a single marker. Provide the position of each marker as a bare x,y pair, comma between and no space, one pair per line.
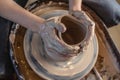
38,25
75,5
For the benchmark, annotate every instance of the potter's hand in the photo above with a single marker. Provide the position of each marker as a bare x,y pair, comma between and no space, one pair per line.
86,21
54,47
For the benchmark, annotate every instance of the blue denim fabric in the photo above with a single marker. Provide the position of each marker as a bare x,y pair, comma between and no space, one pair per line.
107,10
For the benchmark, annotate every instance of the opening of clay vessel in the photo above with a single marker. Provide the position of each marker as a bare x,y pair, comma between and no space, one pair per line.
75,32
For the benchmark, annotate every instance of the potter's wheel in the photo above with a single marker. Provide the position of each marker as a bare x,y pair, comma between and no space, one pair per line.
76,68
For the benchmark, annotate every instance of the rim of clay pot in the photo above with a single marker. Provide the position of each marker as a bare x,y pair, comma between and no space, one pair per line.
80,25
76,28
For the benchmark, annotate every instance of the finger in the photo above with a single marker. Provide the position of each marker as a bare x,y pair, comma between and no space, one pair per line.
73,51
53,42
68,49
60,27
62,47
63,50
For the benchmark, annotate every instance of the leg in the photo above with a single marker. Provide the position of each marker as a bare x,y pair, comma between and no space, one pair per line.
107,10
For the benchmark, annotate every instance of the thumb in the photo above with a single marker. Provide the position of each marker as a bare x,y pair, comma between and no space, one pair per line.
60,27
56,24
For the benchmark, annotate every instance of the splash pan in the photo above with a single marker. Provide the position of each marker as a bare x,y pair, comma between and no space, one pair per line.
75,68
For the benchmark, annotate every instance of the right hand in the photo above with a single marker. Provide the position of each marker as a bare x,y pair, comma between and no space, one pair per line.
84,19
53,46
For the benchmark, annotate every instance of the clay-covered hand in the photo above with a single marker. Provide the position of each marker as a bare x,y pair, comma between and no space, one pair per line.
53,46
86,21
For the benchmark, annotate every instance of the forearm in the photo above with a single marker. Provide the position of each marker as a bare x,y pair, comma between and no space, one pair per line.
11,11
75,5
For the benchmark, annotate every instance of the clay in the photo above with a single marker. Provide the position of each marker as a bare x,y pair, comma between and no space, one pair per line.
79,31
63,46
30,69
54,47
53,65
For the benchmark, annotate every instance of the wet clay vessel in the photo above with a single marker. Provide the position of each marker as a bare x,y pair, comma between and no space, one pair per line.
74,68
78,33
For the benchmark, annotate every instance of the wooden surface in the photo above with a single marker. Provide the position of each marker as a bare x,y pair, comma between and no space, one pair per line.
115,34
